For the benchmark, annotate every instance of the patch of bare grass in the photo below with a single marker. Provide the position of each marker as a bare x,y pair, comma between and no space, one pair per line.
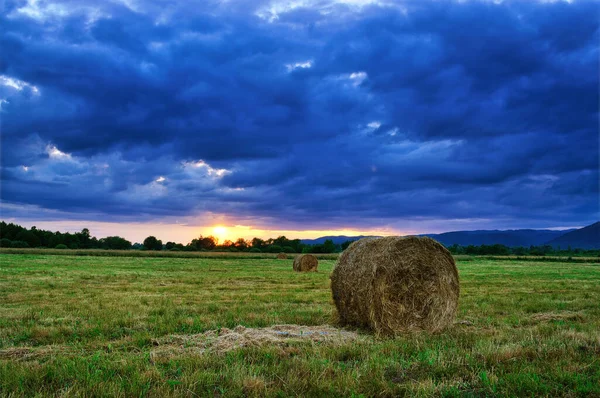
557,316
225,340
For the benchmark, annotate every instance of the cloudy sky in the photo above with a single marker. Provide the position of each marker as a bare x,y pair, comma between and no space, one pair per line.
301,117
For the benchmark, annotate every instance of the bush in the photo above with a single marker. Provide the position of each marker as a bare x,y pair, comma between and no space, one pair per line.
61,246
274,249
19,244
288,249
5,242
255,250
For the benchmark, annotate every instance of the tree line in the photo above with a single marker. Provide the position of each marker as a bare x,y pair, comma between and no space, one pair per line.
13,235
502,250
16,236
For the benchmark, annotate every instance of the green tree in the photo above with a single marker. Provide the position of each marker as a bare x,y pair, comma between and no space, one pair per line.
241,244
29,237
258,243
202,243
84,238
115,243
346,244
151,243
328,246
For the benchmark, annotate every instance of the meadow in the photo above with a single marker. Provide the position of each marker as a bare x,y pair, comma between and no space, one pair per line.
117,326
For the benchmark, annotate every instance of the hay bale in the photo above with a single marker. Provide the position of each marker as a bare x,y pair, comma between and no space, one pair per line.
306,263
396,284
282,256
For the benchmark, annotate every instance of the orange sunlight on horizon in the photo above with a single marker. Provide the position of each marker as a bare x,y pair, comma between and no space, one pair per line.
233,232
221,233
137,232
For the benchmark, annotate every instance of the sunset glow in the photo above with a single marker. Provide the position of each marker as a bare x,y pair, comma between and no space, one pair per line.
220,233
137,232
194,137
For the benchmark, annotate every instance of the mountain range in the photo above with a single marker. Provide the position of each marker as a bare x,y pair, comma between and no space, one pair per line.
583,238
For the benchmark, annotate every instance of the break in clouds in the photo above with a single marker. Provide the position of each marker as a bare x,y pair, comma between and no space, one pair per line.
301,114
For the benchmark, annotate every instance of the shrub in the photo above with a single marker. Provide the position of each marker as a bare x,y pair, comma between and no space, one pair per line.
288,249
19,244
5,242
274,249
61,246
255,250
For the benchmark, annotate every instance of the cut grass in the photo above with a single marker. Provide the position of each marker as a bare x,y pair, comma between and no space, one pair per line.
80,325
241,255
152,253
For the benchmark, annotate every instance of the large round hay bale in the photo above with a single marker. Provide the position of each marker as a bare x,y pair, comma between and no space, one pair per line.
282,256
306,263
396,284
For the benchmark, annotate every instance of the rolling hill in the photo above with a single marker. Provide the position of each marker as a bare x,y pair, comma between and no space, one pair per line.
583,238
510,238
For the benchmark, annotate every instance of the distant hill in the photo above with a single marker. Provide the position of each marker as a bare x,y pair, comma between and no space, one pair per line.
510,238
338,240
583,238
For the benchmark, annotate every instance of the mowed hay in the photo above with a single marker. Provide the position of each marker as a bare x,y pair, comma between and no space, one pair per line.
282,256
396,284
306,263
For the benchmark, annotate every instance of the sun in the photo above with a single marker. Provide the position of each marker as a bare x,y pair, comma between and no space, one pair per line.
220,232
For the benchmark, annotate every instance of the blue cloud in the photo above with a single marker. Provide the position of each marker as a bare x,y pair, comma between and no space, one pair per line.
325,113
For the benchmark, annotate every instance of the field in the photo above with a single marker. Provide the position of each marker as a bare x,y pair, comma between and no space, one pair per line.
122,326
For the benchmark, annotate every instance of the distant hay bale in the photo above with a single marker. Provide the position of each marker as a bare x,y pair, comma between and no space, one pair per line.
396,284
282,256
306,263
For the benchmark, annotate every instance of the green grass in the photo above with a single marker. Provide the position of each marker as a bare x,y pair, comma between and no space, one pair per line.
528,329
152,253
240,255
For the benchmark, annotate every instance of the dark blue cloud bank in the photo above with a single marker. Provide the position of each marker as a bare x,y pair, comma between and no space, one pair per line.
304,114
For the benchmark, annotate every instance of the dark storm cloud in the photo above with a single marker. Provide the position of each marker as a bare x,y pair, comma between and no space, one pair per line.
324,114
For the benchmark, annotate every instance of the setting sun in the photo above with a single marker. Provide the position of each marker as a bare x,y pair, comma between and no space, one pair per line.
220,233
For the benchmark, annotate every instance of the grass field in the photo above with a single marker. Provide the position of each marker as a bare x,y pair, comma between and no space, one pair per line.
240,255
152,253
89,326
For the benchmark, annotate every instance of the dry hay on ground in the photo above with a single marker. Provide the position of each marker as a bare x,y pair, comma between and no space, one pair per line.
29,353
396,284
306,263
212,341
224,340
282,256
557,316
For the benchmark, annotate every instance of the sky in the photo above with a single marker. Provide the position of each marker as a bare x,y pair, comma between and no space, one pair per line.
303,118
